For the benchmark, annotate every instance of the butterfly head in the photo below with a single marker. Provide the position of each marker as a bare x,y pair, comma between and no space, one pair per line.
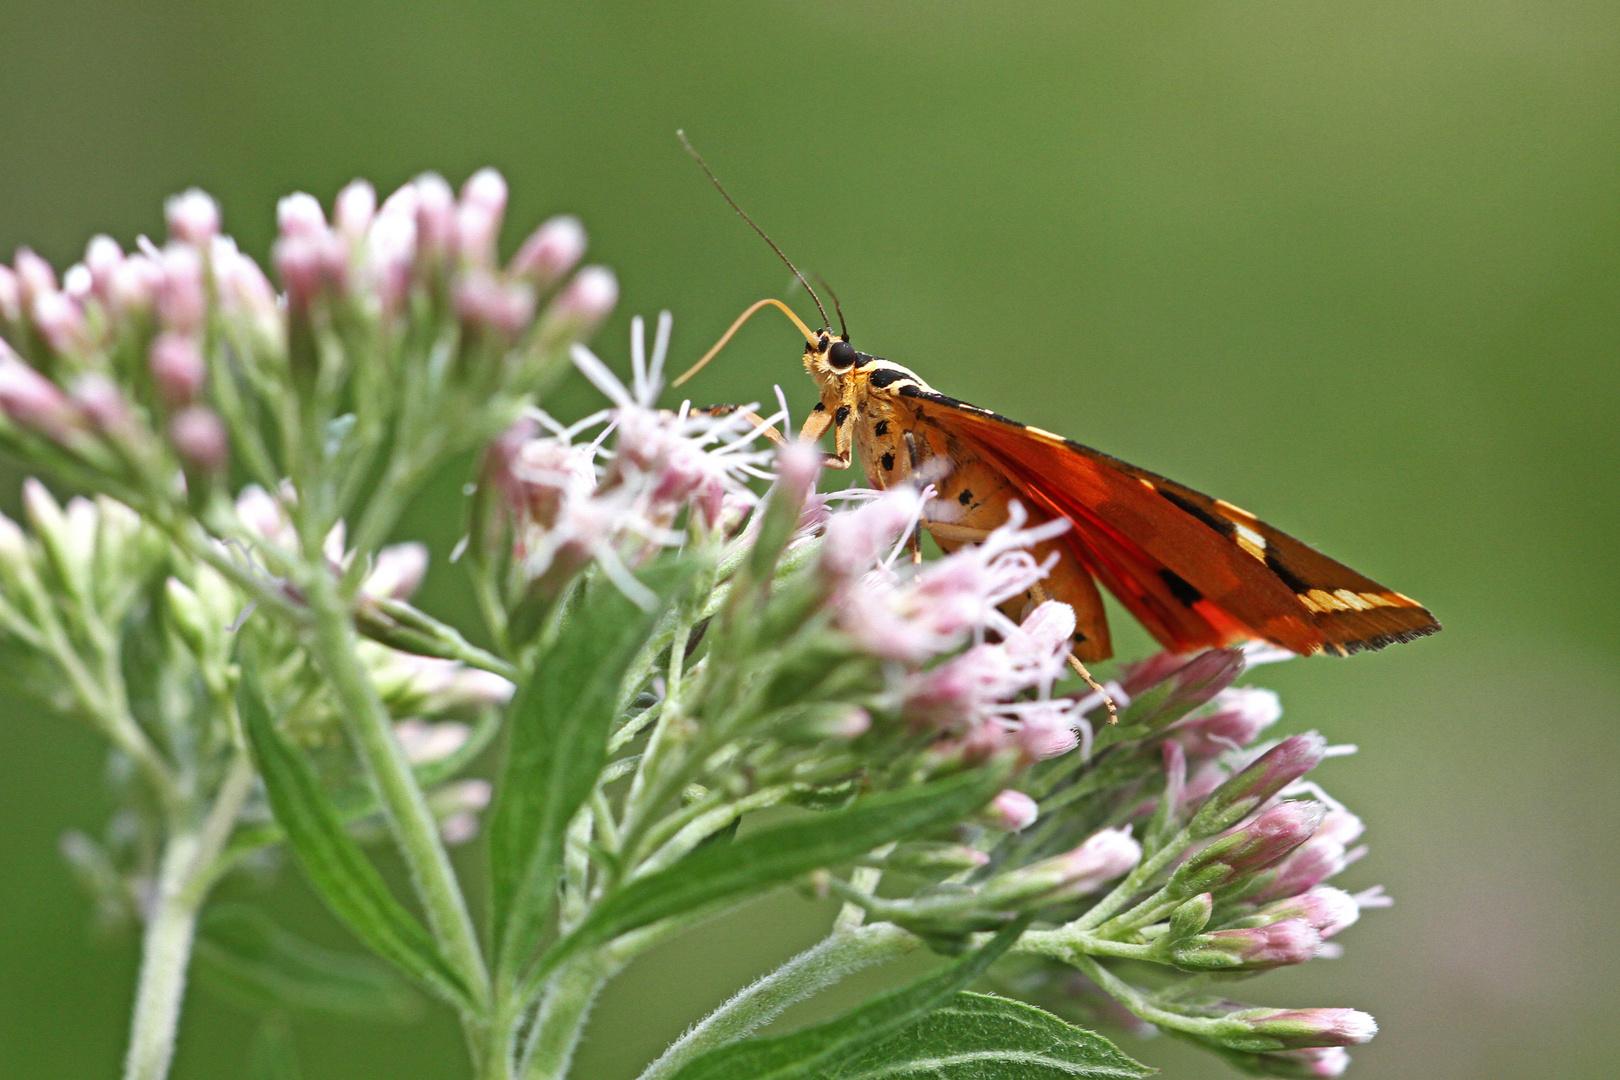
829,356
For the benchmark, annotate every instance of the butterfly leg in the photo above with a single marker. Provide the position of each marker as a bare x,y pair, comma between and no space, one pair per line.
1040,595
761,427
815,426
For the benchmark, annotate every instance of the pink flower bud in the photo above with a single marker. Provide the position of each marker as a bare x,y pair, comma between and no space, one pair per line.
10,295
484,300
478,217
1318,859
102,256
435,215
1250,849
472,686
397,572
243,288
1304,1027
300,215
425,743
34,276
353,210
391,248
1291,941
590,297
1012,810
32,401
177,367
550,251
193,217
1237,717
103,404
1327,909
60,322
133,285
199,438
181,302
1104,856
1277,768
486,188
300,262
458,805
1047,733
77,283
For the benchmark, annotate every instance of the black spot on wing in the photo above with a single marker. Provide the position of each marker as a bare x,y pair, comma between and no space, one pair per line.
1221,525
884,376
1180,587
1280,568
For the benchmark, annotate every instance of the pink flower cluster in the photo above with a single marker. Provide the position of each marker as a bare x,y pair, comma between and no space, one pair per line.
912,614
571,502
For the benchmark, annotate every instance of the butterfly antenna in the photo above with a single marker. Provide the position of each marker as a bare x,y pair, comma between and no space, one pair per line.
744,317
715,180
838,309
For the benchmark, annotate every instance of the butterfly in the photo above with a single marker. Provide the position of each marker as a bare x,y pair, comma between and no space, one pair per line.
1195,571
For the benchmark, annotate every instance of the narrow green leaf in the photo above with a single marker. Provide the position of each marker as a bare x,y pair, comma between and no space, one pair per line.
780,853
246,958
982,1037
557,744
337,868
825,1050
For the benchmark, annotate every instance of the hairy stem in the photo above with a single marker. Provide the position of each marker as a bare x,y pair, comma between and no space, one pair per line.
839,955
165,955
186,874
564,1009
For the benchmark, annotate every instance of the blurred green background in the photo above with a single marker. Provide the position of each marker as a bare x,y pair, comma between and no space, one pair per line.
1351,265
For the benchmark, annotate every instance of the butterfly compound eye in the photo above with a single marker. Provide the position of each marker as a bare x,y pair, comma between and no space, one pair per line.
841,355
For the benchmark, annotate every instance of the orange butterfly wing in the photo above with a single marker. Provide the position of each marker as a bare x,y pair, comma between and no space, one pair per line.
1196,571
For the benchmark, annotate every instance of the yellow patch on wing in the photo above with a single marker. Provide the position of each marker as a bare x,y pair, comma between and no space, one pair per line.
1249,540
1321,601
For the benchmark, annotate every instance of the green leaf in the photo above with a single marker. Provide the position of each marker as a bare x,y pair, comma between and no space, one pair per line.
557,743
336,867
263,969
824,1050
780,853
982,1037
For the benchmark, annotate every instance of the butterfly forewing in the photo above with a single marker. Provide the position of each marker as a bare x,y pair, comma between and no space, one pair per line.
1196,571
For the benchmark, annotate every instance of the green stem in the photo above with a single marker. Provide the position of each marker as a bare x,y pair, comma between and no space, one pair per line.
165,955
1065,944
332,643
835,957
1134,1000
1134,882
187,873
564,1009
